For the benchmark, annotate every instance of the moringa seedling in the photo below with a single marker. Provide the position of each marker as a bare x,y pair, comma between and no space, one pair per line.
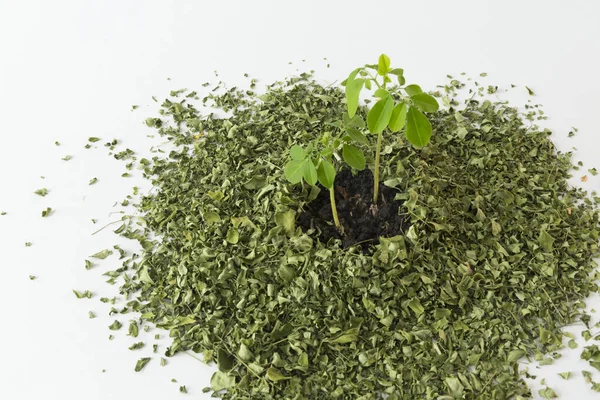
320,168
396,106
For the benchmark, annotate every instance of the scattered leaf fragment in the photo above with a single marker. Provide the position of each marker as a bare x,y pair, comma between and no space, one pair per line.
102,254
142,363
83,295
115,326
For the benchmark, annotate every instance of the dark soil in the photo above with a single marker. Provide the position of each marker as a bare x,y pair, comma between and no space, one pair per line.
362,224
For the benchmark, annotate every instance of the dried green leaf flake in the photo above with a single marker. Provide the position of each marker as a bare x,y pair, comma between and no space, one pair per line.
548,393
221,380
565,375
41,192
115,326
141,364
137,346
102,254
82,295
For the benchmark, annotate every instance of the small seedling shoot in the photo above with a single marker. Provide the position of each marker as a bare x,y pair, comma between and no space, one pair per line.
396,106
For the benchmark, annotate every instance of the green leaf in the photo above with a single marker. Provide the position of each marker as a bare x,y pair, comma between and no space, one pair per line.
133,329
379,116
416,306
142,363
418,128
351,76
353,88
83,295
383,66
455,388
294,170
496,228
412,90
144,276
381,93
548,393
274,375
94,139
46,212
565,375
354,122
225,361
396,71
287,220
297,152
425,102
357,136
354,157
233,236
137,346
41,192
115,326
515,355
545,240
286,273
102,254
398,119
326,174
310,172
351,335
244,353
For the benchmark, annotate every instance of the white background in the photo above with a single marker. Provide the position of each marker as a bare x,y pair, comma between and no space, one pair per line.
72,69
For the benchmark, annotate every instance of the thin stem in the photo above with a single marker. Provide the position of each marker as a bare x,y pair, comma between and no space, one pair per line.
107,225
377,153
374,79
333,207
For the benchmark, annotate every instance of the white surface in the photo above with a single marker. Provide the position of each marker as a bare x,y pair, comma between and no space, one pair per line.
72,69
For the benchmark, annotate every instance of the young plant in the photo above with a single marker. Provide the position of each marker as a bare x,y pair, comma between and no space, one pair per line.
396,106
316,163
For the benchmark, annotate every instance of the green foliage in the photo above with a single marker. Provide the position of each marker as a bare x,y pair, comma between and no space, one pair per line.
396,106
316,163
353,157
379,116
418,128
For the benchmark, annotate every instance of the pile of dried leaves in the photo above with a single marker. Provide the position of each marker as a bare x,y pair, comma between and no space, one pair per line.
498,258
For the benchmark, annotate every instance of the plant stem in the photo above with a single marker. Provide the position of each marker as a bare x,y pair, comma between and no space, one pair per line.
377,153
333,207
